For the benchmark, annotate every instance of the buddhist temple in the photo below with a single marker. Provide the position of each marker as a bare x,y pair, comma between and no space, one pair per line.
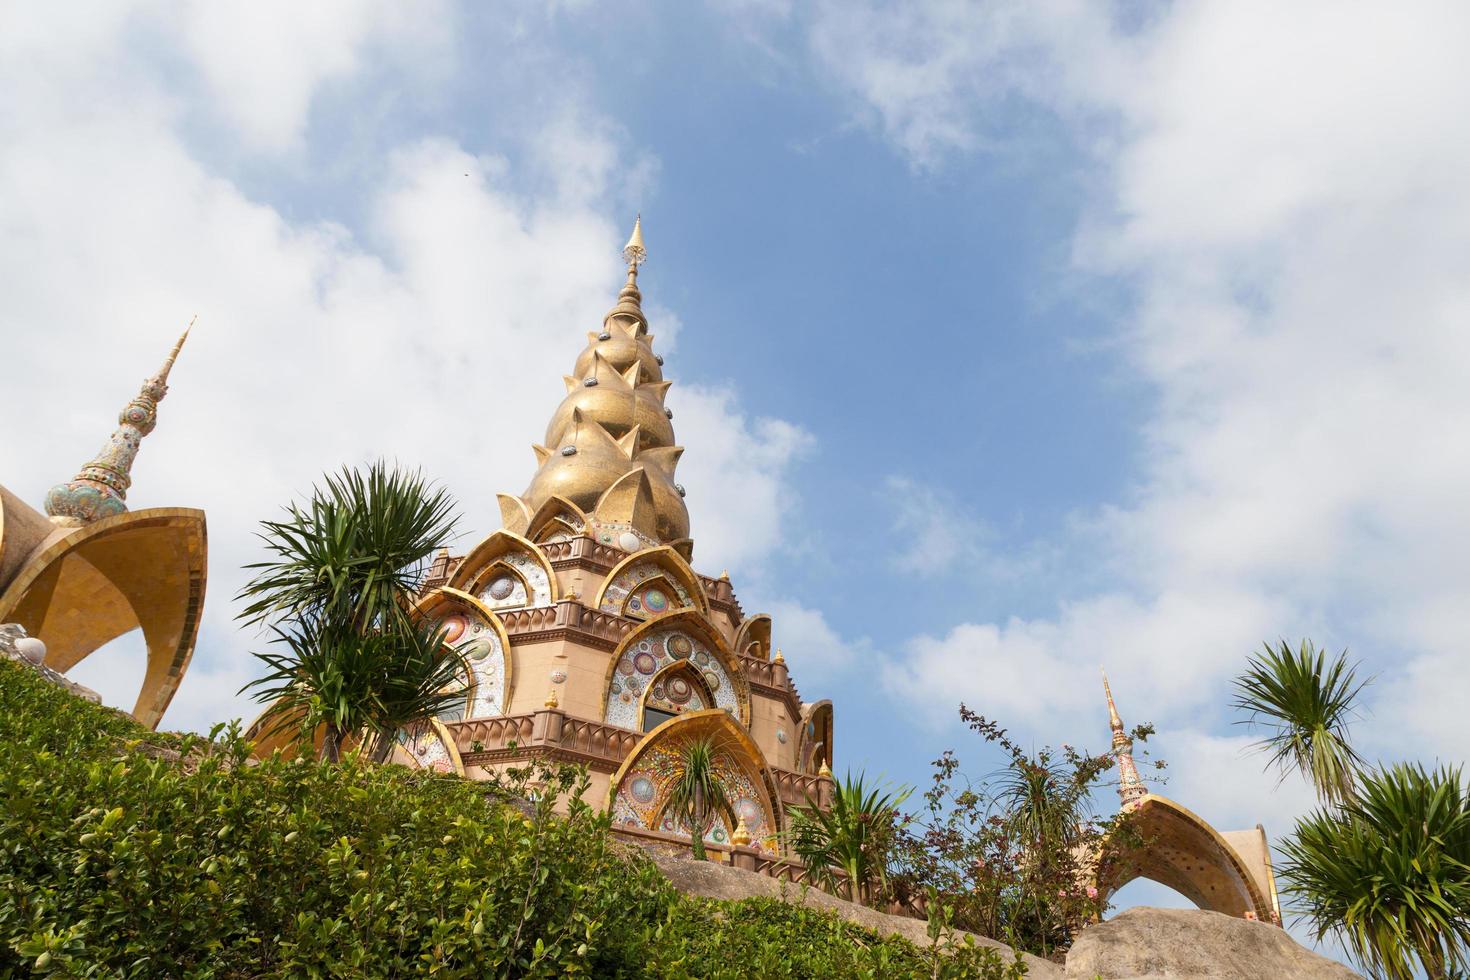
1227,872
591,637
89,570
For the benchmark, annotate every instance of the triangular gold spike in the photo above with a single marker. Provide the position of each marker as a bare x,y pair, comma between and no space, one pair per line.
628,443
542,453
659,388
570,382
514,514
633,374
629,501
665,458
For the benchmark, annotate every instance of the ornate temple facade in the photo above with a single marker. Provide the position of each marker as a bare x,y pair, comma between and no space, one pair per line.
592,639
89,570
1227,872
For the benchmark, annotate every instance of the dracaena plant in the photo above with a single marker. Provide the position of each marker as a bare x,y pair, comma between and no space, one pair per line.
350,658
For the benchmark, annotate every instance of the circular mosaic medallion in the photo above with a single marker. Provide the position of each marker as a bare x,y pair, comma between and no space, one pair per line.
634,684
478,649
701,658
718,834
625,666
634,605
642,789
615,687
679,646
781,735
655,600
658,694
502,587
679,690
644,663
712,679
454,627
629,541
645,645
560,677
625,697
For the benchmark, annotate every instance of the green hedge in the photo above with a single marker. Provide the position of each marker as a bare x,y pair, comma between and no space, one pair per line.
129,853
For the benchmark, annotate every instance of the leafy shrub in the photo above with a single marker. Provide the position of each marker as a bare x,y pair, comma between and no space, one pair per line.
766,937
133,854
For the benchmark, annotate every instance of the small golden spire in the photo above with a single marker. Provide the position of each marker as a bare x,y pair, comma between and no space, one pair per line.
725,575
634,251
551,701
741,836
1113,720
778,658
825,772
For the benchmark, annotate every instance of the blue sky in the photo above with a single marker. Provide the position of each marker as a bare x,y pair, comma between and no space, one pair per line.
1007,339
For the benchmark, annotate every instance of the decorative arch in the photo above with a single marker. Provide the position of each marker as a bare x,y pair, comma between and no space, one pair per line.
475,630
427,744
506,571
753,638
556,520
684,635
660,571
638,793
139,569
676,688
814,748
1181,850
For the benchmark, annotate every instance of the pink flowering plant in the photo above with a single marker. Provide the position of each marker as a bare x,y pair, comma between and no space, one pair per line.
1018,853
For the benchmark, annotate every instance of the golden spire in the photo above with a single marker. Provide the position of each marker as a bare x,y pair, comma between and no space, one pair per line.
101,488
741,836
551,701
1113,720
634,251
609,448
1130,784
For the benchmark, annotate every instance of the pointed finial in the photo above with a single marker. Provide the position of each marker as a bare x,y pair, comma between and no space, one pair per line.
741,836
1130,785
725,575
101,488
551,701
634,251
1113,720
826,771
778,658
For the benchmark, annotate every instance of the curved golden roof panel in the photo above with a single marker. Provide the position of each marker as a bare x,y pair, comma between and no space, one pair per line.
90,585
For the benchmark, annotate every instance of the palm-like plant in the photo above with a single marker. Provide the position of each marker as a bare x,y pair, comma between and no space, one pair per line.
1305,702
696,792
337,592
1389,871
853,836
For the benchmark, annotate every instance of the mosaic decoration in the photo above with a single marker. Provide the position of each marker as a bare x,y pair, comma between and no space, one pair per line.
558,677
563,527
675,692
612,535
642,797
426,747
522,581
642,590
473,636
641,660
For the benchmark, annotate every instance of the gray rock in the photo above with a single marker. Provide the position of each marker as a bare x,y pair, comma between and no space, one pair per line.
1181,944
12,637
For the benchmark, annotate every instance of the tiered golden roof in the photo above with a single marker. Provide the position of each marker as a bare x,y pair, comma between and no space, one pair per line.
609,449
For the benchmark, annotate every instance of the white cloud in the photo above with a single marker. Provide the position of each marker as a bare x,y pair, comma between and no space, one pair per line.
1285,188
436,334
937,529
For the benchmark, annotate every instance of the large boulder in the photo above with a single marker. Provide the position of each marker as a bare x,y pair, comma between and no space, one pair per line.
709,879
1179,944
